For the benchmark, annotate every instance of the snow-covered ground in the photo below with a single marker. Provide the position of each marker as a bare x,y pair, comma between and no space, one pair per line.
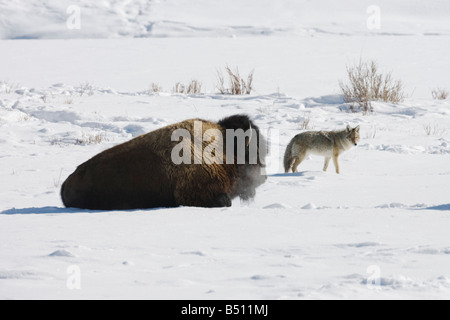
379,230
47,19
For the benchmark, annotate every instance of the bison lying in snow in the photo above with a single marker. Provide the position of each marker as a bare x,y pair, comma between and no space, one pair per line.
191,163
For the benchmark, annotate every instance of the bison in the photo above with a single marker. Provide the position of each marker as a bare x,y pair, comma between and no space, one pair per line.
191,163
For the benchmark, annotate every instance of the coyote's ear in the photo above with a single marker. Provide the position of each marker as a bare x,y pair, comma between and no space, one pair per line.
349,128
356,129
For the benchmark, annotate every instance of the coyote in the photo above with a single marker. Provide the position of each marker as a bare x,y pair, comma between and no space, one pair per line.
329,144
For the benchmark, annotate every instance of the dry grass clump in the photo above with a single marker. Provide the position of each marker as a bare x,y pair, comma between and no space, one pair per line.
439,94
193,87
236,84
155,88
366,84
306,123
434,130
85,89
8,87
87,139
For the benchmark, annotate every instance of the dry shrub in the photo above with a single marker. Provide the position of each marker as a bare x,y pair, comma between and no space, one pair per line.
68,100
87,139
179,88
57,181
8,87
193,87
85,88
434,130
367,84
155,88
237,84
440,94
306,123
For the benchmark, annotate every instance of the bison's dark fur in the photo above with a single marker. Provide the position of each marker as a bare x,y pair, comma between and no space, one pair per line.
141,174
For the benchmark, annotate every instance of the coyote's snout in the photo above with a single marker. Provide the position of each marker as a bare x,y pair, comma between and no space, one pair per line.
329,144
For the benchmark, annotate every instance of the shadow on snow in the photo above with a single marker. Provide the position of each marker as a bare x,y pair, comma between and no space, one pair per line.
291,174
60,210
442,207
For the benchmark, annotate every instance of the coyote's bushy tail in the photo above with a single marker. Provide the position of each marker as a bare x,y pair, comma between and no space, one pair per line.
288,157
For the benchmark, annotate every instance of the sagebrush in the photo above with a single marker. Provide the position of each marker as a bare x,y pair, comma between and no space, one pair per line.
366,84
85,88
155,88
193,87
236,84
440,94
8,87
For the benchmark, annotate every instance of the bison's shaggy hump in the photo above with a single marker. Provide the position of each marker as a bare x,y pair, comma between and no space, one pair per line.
140,173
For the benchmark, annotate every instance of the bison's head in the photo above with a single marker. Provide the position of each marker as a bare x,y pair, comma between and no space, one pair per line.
246,148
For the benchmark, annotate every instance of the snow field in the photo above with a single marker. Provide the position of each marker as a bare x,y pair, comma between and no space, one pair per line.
203,18
377,231
308,235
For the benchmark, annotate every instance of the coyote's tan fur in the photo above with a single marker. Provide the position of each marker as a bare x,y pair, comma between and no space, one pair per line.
329,144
